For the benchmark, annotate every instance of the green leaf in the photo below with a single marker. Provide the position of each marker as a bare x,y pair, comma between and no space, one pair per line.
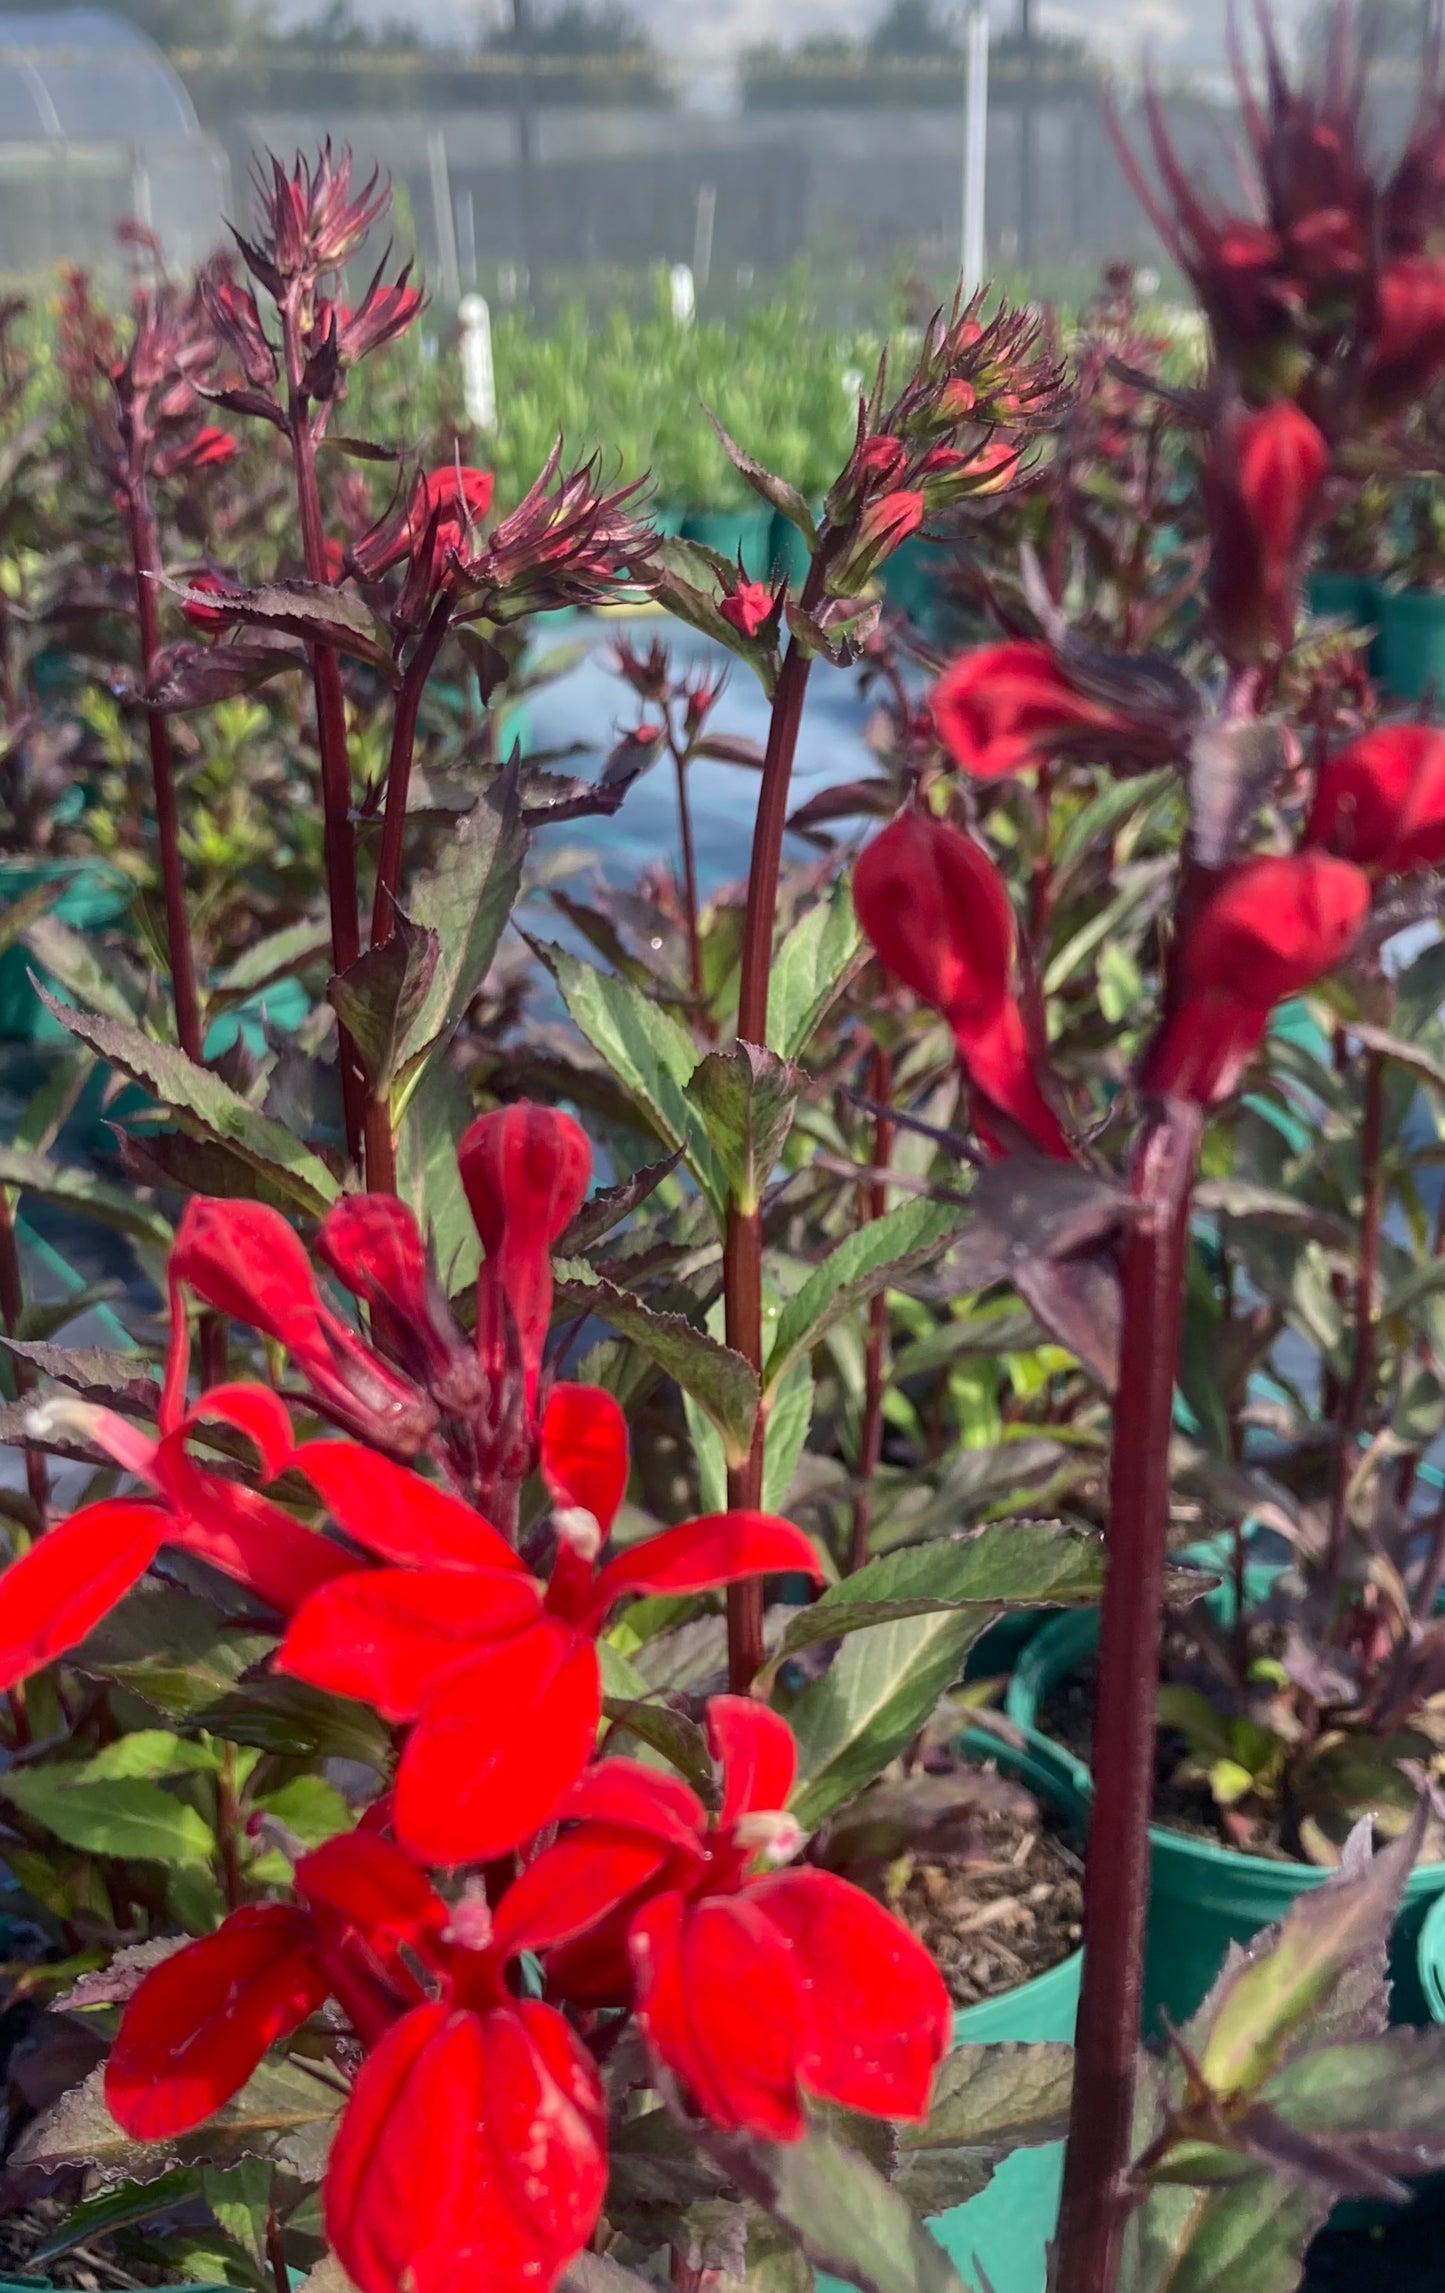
679,1740
429,1178
1097,820
130,1818
1249,2237
311,1807
240,2198
118,2208
279,955
1382,2098
207,1108
291,1717
846,2217
18,914
872,1701
82,970
1023,1564
284,2112
746,1098
465,899
790,1414
379,997
864,1262
168,1648
812,967
1422,1282
779,493
1262,2003
306,609
652,1057
146,1756
720,1381
987,2101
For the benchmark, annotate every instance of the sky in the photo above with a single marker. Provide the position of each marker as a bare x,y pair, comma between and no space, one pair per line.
1179,32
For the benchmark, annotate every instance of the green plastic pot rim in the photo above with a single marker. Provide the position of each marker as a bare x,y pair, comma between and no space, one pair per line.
1430,1958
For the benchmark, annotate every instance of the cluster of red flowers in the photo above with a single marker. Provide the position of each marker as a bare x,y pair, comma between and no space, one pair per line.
938,913
475,2132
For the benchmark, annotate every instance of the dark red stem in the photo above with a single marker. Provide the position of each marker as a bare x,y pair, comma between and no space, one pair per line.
338,836
145,560
380,1142
874,1204
1116,1880
689,874
1357,1391
743,1244
12,1306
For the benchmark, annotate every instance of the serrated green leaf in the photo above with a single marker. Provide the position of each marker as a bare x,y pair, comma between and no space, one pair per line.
279,955
83,970
811,969
465,899
790,1414
746,1098
284,2112
311,1807
117,2208
128,1818
872,1701
845,2216
652,1057
429,1178
986,2102
1021,1564
207,1108
379,997
883,1251
240,2198
720,1381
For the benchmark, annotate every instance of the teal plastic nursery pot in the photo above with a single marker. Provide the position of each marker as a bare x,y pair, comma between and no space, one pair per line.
1411,649
744,536
1003,2233
1204,1896
1430,1959
1342,596
92,896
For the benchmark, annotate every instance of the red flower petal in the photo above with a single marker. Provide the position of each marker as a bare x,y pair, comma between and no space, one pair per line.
498,1746
255,1411
396,1514
242,1533
571,1886
387,1635
371,1885
584,1450
754,1747
719,2000
628,1795
471,2152
525,1170
201,2021
717,1549
71,1578
878,2015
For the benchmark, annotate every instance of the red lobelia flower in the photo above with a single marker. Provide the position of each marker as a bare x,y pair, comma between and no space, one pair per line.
209,619
473,2143
1273,926
243,1259
59,1590
748,607
438,518
1262,485
459,1631
525,1170
1407,350
755,1986
1000,708
938,914
1381,801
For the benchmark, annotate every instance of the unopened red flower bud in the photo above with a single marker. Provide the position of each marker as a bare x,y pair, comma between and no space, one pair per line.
524,1171
1001,707
1272,928
1381,801
209,619
1263,482
1407,354
748,608
936,910
880,459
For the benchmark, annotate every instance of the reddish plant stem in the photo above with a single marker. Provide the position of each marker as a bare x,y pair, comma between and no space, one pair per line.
874,1204
1357,1390
12,1306
689,871
743,1243
377,1130
338,837
145,561
228,1825
1116,1880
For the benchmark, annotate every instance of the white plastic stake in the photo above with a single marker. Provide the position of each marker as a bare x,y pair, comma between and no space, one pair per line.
683,289
479,380
975,150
